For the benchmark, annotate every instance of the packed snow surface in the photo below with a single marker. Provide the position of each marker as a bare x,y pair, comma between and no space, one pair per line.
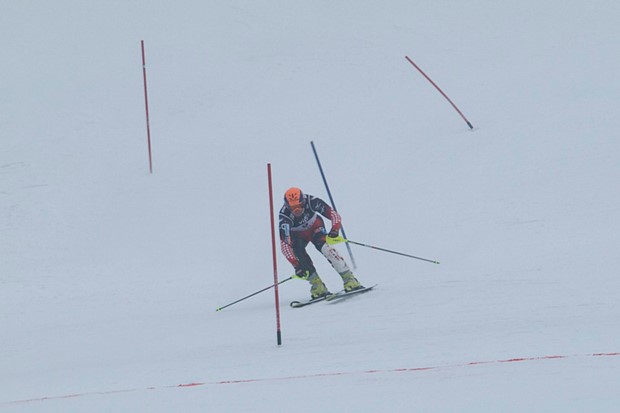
110,275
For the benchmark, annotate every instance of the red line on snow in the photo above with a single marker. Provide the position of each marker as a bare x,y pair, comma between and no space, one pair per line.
311,376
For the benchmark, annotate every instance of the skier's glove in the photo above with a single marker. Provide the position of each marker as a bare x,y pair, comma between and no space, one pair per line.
302,274
333,233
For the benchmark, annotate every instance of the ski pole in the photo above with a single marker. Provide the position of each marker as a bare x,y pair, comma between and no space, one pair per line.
253,294
340,239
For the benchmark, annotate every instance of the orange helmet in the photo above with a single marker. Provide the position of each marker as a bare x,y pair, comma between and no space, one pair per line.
294,198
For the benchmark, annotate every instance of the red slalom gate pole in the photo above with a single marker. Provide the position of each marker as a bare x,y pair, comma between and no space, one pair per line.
146,105
275,265
440,91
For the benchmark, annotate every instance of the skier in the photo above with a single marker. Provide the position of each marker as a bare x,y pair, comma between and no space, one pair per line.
300,224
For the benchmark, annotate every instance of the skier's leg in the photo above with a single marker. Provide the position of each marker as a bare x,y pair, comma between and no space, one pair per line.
338,263
317,287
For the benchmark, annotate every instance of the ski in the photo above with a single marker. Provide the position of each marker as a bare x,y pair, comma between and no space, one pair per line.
297,304
338,296
341,295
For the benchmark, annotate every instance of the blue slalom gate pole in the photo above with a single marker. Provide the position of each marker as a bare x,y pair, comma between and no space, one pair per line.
331,199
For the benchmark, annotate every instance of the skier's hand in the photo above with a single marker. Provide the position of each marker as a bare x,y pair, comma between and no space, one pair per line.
333,233
302,274
334,241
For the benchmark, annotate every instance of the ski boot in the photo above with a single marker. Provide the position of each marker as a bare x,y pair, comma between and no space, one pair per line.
350,282
318,288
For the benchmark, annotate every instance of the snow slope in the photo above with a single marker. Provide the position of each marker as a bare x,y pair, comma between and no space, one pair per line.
111,276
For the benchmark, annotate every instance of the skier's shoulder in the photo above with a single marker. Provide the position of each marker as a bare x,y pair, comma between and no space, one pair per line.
285,214
317,204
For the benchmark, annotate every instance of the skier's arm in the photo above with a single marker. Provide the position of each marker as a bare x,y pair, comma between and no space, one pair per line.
328,212
285,242
289,254
334,217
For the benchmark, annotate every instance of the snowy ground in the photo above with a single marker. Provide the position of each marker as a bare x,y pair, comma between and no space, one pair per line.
111,276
